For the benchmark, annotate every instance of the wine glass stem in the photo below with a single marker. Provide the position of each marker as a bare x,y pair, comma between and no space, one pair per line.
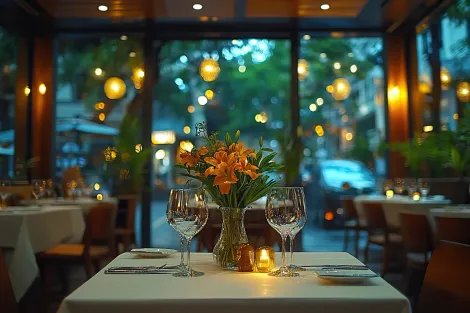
182,250
188,258
291,246
283,250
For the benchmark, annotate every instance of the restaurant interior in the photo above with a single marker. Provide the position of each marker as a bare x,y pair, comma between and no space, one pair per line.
144,137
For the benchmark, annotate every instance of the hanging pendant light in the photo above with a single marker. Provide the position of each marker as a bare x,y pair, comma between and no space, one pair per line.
302,69
341,89
445,78
209,69
114,88
463,91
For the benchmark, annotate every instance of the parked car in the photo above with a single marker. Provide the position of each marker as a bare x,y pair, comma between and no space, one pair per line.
332,180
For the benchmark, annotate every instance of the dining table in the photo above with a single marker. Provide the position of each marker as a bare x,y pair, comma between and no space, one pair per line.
86,203
452,212
393,206
228,291
28,230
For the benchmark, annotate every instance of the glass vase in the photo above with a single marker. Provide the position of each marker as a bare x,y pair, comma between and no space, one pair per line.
231,236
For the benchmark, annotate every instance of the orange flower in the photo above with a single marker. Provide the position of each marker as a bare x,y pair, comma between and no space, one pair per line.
188,158
224,167
242,153
249,169
203,150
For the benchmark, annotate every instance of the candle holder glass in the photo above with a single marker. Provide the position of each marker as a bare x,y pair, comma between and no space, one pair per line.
264,259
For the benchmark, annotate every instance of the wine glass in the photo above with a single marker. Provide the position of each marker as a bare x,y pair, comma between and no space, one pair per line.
399,186
39,187
3,193
299,201
423,187
411,186
187,213
283,215
176,199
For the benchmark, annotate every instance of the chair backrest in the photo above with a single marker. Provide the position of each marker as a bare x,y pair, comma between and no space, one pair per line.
100,225
7,297
453,229
446,284
349,208
416,233
375,217
130,218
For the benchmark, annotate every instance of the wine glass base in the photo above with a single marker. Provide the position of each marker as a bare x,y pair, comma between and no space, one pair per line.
295,268
187,274
283,272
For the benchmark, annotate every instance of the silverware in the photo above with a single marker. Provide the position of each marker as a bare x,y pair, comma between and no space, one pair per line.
163,269
339,266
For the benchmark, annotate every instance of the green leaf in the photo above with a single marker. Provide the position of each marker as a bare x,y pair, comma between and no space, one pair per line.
260,142
228,139
237,135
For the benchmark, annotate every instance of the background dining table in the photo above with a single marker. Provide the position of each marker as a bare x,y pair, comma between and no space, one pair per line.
86,203
392,207
230,291
27,230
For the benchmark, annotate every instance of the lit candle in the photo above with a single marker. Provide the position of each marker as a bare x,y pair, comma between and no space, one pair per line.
416,196
264,259
389,194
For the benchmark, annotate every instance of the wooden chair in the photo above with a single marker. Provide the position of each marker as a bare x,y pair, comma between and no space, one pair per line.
7,297
126,234
379,233
418,243
446,284
351,222
453,229
98,244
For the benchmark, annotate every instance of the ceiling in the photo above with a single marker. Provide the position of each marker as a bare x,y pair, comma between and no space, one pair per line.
213,10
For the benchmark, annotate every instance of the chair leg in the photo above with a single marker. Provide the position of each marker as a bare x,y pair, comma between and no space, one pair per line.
366,252
97,265
346,239
385,260
356,242
127,242
88,268
62,274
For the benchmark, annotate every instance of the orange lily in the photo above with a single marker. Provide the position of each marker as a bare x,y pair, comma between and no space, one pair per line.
188,158
249,169
224,167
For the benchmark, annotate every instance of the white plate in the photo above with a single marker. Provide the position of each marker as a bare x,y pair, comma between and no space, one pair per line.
345,276
156,253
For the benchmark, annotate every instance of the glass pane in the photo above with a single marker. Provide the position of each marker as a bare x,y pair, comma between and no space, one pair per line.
342,115
424,50
251,94
455,64
8,50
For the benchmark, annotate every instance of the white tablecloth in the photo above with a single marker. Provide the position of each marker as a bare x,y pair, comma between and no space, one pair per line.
24,233
231,292
393,207
259,204
451,212
85,203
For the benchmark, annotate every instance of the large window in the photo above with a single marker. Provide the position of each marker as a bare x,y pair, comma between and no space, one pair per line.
8,46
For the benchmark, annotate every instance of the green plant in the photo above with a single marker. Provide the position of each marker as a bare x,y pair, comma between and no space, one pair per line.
125,161
361,151
291,154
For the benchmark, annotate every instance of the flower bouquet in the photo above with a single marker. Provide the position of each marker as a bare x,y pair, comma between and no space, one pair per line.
234,177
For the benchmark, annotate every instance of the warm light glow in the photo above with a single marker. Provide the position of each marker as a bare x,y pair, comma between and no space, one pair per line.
341,89
160,154
389,194
337,65
445,77
456,116
348,136
307,37
123,37
161,137
103,8
209,94
353,68
428,128
320,101
325,7
329,88
186,129
191,109
99,197
463,91
97,186
27,91
323,55
329,216
394,93
138,148
209,69
197,6
242,68
319,130
344,118
186,145
302,69
102,117
202,100
99,106
262,117
258,118
98,71
416,196
42,89
312,107
114,88
264,259
132,54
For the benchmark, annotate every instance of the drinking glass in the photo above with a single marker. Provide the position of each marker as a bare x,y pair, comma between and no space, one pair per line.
399,186
300,203
49,188
411,186
187,213
423,188
39,187
388,185
283,214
